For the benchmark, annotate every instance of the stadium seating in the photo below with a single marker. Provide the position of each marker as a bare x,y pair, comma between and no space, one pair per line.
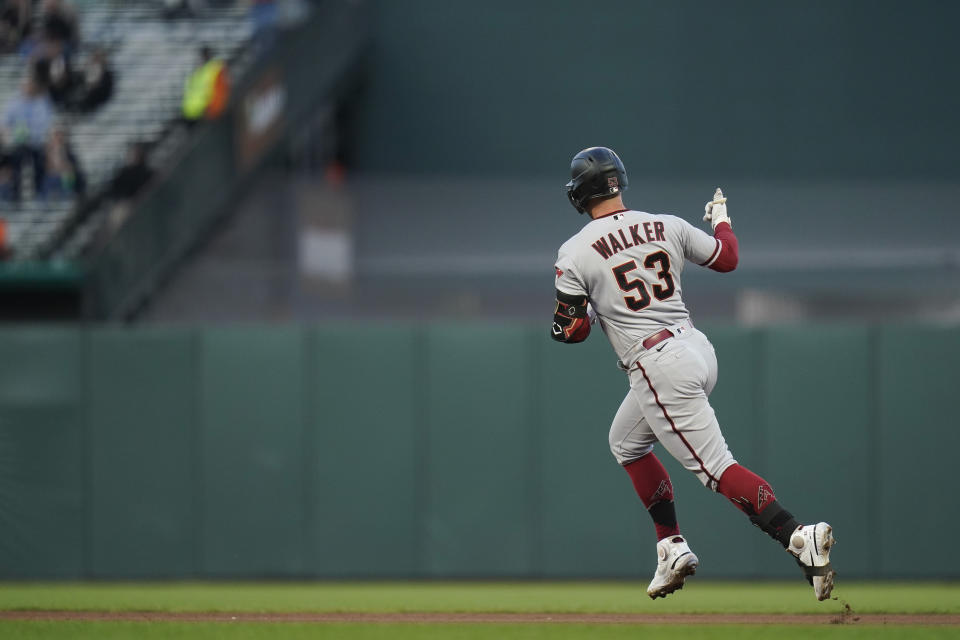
150,56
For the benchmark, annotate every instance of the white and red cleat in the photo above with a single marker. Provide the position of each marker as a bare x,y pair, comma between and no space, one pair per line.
675,562
810,544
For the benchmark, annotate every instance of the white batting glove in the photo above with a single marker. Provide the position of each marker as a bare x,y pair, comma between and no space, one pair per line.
715,211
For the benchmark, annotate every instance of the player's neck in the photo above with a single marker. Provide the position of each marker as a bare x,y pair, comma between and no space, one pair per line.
606,207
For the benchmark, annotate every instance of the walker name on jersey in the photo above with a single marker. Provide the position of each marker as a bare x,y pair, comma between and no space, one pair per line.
614,243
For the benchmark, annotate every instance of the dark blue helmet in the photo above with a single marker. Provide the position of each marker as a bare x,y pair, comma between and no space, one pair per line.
596,172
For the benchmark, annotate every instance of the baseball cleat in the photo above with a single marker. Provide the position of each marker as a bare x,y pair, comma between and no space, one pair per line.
675,562
810,544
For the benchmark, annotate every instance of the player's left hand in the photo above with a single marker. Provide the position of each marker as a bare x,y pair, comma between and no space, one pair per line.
715,211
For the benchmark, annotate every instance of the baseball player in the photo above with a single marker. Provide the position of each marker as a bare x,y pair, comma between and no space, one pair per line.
622,271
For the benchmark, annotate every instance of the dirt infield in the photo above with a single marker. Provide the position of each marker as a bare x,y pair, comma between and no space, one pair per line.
502,618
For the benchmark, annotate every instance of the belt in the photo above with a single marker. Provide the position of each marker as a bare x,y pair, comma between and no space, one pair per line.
657,338
654,339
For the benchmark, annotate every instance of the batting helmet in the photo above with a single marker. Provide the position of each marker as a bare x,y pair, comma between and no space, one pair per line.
596,172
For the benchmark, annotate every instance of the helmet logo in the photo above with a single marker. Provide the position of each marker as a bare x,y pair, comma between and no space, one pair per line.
613,182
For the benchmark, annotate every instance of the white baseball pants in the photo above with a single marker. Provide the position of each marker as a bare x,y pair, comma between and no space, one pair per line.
667,402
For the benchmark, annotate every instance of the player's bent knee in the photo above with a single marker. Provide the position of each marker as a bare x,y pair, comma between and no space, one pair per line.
710,476
625,456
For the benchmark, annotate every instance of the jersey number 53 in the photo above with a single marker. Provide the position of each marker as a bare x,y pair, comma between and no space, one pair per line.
660,291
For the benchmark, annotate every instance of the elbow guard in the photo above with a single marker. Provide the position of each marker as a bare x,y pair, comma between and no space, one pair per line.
570,322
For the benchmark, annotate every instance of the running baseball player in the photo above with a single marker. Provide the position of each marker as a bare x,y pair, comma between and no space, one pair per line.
622,272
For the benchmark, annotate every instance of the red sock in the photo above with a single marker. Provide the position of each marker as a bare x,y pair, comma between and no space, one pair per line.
652,484
745,489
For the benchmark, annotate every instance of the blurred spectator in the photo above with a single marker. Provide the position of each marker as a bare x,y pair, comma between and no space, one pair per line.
263,15
220,95
26,124
5,249
59,23
6,177
206,90
53,70
182,8
64,176
94,85
132,176
116,198
124,187
14,24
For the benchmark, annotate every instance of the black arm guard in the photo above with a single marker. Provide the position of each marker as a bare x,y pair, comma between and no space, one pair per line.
570,322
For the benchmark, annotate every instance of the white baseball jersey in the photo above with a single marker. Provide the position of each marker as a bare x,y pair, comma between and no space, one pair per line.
628,264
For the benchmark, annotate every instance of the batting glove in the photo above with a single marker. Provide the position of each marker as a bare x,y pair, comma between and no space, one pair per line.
715,211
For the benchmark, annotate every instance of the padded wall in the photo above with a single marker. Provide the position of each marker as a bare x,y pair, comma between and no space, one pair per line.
141,399
43,454
449,450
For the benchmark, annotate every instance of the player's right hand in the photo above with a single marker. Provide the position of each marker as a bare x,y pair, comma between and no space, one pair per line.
715,211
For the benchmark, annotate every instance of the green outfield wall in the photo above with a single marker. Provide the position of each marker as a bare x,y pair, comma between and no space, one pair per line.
451,450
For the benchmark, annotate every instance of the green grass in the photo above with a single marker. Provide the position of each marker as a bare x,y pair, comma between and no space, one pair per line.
211,631
548,597
573,597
